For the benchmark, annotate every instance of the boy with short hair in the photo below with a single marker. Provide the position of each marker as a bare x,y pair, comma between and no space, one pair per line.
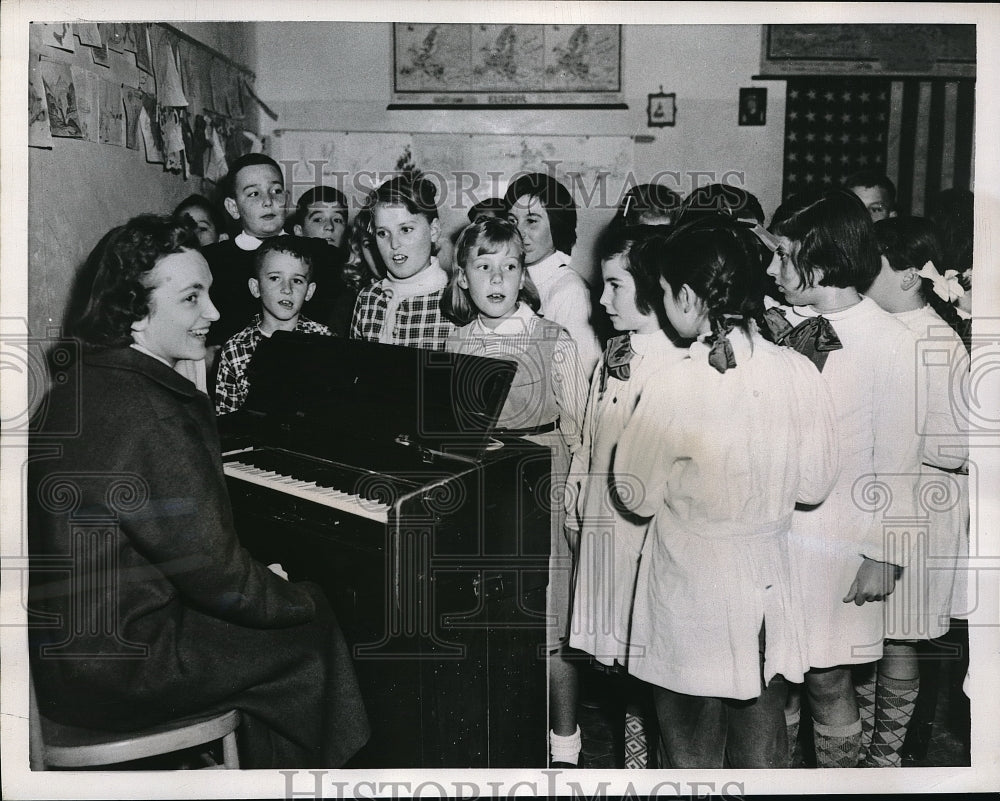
282,283
320,213
876,191
254,196
320,216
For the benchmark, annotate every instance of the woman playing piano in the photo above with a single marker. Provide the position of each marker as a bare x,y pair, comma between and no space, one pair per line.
162,613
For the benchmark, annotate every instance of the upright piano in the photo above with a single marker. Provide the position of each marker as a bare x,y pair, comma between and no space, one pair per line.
371,470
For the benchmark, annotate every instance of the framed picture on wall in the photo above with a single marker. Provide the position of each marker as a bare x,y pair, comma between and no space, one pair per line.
753,106
477,65
661,110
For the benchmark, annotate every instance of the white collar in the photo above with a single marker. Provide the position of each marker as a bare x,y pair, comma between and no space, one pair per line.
913,314
245,241
542,271
647,343
863,305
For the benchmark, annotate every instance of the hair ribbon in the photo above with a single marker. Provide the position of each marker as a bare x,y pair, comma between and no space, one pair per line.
947,286
721,355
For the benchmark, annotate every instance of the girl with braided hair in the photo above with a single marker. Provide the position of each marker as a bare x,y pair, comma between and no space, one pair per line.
719,449
913,277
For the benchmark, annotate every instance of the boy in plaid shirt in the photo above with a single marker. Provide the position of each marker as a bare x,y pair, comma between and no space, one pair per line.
404,308
283,282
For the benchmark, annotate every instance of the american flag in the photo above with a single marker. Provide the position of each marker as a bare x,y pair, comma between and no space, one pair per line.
918,132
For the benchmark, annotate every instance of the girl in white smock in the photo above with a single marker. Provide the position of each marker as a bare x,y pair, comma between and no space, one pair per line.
846,552
611,536
718,451
911,288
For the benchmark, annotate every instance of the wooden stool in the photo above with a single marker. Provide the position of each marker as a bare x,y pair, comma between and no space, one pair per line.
55,745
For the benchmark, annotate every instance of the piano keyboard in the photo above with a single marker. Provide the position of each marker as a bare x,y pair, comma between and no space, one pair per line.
309,490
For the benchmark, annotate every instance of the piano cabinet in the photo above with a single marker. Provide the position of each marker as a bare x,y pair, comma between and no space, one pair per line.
443,605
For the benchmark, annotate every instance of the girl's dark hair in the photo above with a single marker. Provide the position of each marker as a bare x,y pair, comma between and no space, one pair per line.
555,199
911,242
648,200
356,271
718,258
485,235
722,199
620,241
200,202
120,294
417,195
952,213
833,233
492,206
318,194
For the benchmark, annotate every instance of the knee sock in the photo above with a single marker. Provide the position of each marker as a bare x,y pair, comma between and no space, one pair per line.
636,745
894,702
864,690
565,747
837,746
792,730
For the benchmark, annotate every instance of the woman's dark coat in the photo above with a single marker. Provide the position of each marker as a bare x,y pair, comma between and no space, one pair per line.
143,604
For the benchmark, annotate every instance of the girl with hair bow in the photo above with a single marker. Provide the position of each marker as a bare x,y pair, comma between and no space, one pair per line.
721,446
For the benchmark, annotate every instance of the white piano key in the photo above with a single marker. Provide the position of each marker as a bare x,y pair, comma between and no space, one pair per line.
310,491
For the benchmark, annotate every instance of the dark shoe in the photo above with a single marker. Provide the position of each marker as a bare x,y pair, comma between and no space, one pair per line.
564,766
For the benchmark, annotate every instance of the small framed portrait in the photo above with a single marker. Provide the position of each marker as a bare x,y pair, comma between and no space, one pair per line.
753,106
662,109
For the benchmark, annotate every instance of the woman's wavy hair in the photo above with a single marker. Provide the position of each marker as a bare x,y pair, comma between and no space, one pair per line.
718,258
120,291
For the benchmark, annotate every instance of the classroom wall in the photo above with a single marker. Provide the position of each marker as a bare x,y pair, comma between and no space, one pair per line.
337,77
78,190
326,76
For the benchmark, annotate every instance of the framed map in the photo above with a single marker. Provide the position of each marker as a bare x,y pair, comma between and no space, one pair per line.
459,65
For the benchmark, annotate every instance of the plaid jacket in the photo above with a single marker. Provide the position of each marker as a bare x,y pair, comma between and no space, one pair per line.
419,322
231,385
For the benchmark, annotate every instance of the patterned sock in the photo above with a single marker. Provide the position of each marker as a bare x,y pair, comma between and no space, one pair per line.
894,702
792,728
566,747
864,690
837,746
636,748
